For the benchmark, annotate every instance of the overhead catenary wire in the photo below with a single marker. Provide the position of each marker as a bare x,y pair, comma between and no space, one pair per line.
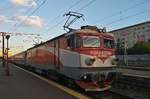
60,15
133,15
122,11
81,8
86,5
75,4
54,26
6,7
29,9
27,12
17,25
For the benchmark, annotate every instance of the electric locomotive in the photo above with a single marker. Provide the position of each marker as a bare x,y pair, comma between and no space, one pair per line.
85,56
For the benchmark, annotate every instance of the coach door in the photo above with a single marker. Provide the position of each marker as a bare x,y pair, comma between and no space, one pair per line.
57,54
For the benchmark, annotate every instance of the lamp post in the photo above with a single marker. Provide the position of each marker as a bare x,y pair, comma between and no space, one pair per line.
125,53
7,67
3,48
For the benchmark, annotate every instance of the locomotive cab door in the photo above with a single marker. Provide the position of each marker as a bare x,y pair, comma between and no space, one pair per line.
74,42
56,54
70,42
73,54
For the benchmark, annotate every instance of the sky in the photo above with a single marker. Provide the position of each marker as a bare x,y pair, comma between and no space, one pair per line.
46,17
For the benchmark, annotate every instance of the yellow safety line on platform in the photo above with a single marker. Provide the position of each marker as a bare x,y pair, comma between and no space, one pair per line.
67,90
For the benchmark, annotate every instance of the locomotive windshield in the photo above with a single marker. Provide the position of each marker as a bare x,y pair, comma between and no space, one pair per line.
91,41
108,43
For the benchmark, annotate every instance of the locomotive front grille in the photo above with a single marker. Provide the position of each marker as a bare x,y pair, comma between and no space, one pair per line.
99,76
111,75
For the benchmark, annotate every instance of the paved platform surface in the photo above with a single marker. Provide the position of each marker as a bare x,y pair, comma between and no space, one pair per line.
21,85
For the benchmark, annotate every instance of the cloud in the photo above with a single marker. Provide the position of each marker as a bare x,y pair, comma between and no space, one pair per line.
24,2
29,21
3,19
22,10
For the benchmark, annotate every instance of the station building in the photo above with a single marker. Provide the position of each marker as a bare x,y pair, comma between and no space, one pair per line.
133,34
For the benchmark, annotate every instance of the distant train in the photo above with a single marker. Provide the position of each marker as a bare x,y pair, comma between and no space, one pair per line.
85,57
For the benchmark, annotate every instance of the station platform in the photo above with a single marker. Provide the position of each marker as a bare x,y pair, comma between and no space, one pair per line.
23,85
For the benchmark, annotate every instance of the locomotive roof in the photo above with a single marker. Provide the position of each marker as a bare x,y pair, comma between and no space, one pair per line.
88,31
84,29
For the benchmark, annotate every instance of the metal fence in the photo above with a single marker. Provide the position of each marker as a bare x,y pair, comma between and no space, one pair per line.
135,60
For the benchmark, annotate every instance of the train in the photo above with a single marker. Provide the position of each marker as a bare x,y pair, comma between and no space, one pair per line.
84,56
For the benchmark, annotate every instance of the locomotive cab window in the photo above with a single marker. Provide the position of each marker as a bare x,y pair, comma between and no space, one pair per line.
77,42
108,43
91,41
70,41
74,41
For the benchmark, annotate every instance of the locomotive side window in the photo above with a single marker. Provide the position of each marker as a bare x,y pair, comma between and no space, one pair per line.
91,41
108,43
70,42
77,42
74,41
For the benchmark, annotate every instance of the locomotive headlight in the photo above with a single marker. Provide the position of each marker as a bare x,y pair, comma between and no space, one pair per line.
89,61
114,61
84,77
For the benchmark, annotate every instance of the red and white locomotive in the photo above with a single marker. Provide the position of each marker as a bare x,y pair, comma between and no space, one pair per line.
86,56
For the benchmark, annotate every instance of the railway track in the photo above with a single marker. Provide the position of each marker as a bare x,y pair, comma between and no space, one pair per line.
134,87
106,95
133,81
96,95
